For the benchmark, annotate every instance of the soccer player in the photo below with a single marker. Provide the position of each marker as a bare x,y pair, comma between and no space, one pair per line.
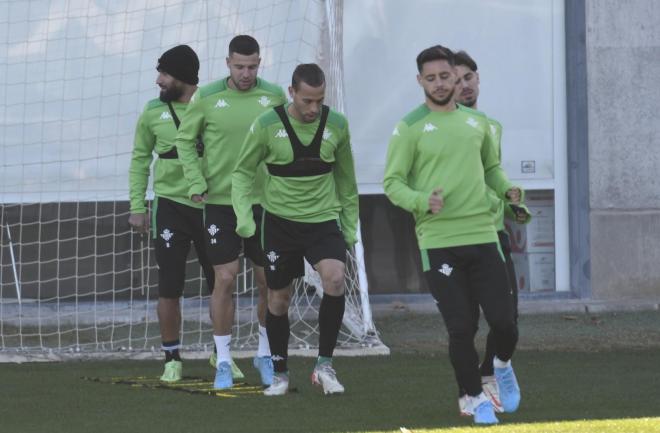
310,211
468,95
439,162
176,219
221,112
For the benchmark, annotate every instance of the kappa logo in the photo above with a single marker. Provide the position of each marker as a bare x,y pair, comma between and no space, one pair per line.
396,131
326,134
281,133
213,230
445,269
472,122
272,258
165,115
493,130
277,358
221,104
264,101
167,235
430,127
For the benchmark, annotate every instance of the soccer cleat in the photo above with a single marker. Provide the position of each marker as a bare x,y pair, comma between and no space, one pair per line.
236,372
223,378
508,387
279,385
324,375
464,407
173,371
490,388
264,366
484,413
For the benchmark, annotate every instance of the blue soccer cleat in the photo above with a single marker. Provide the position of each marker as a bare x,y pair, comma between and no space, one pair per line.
484,413
223,378
264,366
509,390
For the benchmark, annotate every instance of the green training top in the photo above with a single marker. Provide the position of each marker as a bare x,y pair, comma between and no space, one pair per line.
453,151
304,199
155,132
223,116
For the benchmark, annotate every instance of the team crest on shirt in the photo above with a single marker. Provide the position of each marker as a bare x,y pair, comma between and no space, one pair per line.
264,101
281,133
326,134
429,127
396,131
272,258
167,235
165,115
221,104
213,230
493,130
445,269
472,122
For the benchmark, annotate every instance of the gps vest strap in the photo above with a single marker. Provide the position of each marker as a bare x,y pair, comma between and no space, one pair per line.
172,153
306,159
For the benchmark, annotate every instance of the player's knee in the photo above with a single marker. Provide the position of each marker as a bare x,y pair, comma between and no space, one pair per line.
333,282
224,278
278,301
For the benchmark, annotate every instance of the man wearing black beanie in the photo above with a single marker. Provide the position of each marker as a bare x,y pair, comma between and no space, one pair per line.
176,220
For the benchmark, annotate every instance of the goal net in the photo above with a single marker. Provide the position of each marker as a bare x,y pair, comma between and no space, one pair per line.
75,281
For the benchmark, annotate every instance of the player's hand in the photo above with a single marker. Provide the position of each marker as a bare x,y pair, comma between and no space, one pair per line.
139,221
199,198
514,195
521,214
436,202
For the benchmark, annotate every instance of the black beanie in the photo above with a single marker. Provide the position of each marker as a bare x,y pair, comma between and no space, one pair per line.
181,62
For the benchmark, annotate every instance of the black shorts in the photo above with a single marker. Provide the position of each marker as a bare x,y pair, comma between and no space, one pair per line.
174,226
223,245
287,242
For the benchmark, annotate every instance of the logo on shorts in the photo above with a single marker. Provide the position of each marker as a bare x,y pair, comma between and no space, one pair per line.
272,258
445,269
167,235
213,230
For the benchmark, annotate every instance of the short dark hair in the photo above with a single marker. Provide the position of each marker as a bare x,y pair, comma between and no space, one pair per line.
463,59
243,44
436,52
309,73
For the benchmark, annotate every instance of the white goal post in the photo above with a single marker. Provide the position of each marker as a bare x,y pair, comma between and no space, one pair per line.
75,281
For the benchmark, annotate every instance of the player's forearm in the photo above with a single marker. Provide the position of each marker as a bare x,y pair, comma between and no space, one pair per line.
241,186
137,180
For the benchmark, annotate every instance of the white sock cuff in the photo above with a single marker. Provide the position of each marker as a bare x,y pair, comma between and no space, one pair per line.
497,363
222,343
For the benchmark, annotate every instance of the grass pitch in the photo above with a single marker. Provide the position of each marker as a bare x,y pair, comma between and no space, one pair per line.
577,374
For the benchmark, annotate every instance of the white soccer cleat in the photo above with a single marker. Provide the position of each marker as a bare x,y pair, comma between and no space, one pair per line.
492,391
464,406
324,375
279,386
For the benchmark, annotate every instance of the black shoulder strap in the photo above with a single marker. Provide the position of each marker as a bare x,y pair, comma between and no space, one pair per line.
172,153
177,122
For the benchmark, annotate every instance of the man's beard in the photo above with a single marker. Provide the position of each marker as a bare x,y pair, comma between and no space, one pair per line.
469,102
441,102
171,94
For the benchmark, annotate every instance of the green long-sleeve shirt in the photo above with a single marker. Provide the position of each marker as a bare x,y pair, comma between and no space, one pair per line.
304,199
453,151
222,116
155,132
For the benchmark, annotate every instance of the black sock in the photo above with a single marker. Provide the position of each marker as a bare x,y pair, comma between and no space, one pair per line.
277,328
331,313
171,349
